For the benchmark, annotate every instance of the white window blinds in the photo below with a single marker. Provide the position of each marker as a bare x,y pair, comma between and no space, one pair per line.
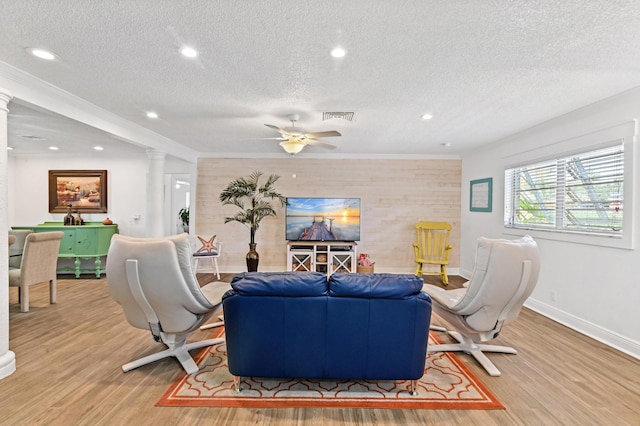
580,193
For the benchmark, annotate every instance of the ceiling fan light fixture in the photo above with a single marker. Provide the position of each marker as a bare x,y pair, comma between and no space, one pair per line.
292,146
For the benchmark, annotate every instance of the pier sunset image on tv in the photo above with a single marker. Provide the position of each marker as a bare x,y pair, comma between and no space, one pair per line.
323,219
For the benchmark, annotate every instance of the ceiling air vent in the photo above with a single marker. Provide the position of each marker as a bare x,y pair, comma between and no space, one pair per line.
349,116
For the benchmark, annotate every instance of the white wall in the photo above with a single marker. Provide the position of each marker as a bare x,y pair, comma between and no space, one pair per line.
126,180
596,288
28,179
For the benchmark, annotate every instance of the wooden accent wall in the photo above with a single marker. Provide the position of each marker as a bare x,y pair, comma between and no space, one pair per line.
394,194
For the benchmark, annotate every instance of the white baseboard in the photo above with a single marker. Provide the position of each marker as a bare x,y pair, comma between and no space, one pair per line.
603,335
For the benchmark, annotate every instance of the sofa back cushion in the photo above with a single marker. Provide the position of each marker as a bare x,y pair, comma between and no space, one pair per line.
287,284
375,286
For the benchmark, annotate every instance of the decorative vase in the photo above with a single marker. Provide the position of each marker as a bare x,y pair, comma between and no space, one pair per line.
252,258
69,219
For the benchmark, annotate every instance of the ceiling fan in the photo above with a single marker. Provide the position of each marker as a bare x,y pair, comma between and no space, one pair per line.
295,139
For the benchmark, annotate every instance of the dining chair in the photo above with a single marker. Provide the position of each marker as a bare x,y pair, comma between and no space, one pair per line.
15,252
38,264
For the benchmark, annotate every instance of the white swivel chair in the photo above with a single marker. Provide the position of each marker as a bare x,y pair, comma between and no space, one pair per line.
505,274
38,264
152,279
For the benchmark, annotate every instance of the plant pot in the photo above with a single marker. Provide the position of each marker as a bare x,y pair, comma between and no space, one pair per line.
252,258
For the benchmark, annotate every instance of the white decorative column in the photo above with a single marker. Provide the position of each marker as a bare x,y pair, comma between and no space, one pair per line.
7,357
155,193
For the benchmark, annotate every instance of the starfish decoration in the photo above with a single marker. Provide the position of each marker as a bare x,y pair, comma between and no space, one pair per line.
207,246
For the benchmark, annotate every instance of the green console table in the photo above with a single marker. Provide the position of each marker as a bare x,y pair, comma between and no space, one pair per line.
88,241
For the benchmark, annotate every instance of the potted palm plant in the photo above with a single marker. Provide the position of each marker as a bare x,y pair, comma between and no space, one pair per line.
254,201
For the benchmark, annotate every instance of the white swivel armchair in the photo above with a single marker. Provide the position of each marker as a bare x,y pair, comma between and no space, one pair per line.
505,274
152,279
38,264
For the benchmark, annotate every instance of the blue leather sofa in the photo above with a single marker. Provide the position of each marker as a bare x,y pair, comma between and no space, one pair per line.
351,326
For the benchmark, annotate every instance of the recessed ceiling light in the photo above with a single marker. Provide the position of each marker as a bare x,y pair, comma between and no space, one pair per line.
152,114
9,148
53,148
189,52
427,116
445,144
338,52
41,53
98,148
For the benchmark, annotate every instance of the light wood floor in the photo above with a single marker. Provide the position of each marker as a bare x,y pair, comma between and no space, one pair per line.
69,357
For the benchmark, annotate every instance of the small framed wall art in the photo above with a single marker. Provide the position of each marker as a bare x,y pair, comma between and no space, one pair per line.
84,190
481,194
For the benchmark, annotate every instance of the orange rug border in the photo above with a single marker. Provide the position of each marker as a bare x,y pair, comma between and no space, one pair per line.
490,403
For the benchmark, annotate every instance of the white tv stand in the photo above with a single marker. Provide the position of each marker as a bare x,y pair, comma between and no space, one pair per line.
327,257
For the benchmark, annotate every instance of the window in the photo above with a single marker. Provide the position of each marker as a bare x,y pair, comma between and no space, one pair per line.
581,193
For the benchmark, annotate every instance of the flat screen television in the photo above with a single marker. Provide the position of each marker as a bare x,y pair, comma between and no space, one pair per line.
323,219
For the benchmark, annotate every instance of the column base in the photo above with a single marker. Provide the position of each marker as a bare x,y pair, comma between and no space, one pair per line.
7,364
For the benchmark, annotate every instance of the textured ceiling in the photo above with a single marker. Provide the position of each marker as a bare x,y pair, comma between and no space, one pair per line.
484,69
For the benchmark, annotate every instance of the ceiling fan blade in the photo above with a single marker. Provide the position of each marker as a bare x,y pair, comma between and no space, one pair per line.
320,144
285,134
276,128
323,134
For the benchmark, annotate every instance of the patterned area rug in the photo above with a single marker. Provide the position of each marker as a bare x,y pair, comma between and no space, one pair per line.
446,384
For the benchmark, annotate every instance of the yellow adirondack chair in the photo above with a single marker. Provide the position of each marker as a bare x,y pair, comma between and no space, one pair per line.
432,247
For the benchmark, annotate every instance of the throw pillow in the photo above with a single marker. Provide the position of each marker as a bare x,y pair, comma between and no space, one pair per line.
208,247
